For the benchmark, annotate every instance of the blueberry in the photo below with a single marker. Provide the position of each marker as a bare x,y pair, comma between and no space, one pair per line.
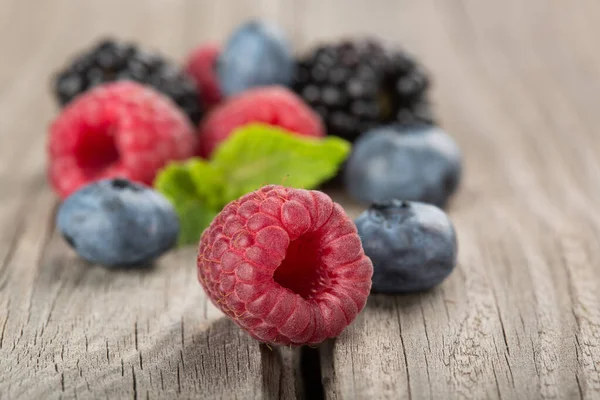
257,54
412,245
415,163
116,222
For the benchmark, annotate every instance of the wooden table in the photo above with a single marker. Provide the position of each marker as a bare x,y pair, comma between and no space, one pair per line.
516,82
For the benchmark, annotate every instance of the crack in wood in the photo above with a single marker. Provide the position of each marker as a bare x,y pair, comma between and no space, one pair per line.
408,386
4,323
134,383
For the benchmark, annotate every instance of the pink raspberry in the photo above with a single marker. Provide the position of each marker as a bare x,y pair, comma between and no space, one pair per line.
120,129
272,105
286,265
200,66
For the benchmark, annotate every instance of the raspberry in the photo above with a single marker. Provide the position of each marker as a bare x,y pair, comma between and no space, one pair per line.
120,129
286,265
200,66
271,105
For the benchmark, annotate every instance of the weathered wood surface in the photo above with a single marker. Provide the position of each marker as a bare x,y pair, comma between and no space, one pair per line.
517,84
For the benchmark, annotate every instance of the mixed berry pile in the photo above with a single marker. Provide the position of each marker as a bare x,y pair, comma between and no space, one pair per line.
223,152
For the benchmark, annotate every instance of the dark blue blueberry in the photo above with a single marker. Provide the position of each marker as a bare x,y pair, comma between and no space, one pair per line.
117,222
412,245
257,54
414,163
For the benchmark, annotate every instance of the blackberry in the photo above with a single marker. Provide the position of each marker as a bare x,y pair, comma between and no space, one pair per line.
111,60
358,85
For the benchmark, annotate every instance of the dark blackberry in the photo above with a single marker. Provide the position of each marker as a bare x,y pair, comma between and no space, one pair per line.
357,85
111,60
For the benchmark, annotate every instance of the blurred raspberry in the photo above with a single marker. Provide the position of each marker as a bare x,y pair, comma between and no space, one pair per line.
200,65
272,105
120,129
286,265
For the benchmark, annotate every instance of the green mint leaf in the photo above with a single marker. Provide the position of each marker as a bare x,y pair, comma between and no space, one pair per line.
257,154
194,218
253,156
194,188
207,180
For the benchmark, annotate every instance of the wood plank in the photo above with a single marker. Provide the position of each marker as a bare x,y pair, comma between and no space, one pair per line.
519,318
72,330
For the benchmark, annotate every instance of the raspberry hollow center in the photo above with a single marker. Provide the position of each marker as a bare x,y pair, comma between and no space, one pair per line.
96,151
303,270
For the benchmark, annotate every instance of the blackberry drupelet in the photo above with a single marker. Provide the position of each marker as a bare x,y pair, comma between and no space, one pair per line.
111,60
358,85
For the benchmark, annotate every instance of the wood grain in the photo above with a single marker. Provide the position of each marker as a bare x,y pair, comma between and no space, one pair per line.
519,318
73,330
516,83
